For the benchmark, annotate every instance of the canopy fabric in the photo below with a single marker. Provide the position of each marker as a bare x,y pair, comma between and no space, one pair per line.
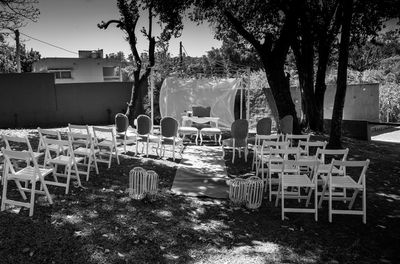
178,95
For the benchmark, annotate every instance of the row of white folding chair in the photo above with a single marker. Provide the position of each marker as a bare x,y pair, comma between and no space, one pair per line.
310,174
274,153
81,142
293,140
104,140
304,148
18,168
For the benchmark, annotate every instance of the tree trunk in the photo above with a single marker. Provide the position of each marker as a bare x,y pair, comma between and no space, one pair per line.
320,86
341,85
280,87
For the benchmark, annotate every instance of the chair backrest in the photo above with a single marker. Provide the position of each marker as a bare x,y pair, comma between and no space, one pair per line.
240,129
312,146
13,159
311,165
121,123
82,129
82,138
337,154
275,144
295,139
17,143
285,153
61,146
361,165
261,138
201,111
144,125
104,133
263,126
286,124
169,126
48,134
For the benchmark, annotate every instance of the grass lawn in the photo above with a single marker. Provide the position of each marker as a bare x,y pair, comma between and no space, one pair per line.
101,224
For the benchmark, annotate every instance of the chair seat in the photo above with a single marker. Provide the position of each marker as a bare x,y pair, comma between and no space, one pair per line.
210,130
54,148
171,140
238,143
343,182
107,143
28,172
278,168
325,169
187,130
64,160
297,181
84,151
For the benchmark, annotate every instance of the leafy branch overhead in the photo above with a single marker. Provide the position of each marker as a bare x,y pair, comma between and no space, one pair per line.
169,18
14,13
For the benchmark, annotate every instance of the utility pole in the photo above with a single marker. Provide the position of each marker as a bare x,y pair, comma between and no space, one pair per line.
17,50
180,54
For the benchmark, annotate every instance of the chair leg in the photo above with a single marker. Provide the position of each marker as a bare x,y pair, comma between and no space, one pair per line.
4,196
32,201
68,179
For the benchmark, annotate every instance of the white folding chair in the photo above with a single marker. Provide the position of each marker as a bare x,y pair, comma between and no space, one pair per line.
27,174
347,182
79,130
20,143
56,158
264,155
105,141
259,139
85,149
308,149
325,156
293,176
52,134
295,139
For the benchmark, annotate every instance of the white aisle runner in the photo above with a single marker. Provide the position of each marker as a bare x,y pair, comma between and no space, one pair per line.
202,172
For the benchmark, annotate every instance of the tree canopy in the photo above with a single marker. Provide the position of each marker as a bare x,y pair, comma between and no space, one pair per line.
14,13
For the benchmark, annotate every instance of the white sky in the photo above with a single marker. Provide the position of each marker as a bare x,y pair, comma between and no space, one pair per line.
72,25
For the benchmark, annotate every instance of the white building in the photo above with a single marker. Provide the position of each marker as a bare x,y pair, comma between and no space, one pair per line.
89,67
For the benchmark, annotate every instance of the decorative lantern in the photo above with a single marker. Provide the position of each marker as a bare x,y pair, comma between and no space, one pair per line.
238,190
152,182
255,187
137,183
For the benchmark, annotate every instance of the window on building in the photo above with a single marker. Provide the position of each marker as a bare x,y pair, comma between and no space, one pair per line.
61,73
111,73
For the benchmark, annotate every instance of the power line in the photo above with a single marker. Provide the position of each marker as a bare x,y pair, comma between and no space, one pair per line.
55,46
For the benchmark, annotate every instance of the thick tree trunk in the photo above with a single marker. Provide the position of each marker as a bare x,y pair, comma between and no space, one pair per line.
280,87
337,115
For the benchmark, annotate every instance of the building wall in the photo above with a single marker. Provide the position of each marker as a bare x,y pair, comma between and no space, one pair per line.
32,99
82,69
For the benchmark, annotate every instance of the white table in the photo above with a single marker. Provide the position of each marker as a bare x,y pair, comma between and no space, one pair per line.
200,120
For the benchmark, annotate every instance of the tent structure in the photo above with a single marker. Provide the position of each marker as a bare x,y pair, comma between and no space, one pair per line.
178,95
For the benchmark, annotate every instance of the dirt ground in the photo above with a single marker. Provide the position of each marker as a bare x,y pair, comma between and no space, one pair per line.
101,224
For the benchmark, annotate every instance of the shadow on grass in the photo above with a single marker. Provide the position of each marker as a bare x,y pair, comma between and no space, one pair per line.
101,224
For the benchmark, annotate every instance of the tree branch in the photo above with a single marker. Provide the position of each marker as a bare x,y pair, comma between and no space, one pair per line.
242,31
104,25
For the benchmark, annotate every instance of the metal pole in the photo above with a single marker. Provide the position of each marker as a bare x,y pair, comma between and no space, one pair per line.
248,96
241,98
152,97
18,51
